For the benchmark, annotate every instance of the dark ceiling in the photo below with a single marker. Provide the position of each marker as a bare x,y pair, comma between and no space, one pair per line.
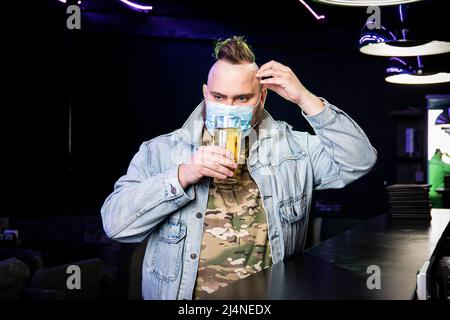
285,22
283,11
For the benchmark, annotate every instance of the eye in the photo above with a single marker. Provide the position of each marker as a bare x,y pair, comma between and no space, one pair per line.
243,99
217,97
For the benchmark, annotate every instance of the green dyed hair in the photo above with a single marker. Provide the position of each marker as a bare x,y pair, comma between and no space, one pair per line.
235,50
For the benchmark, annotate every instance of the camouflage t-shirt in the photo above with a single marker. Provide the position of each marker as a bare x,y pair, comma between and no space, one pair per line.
235,240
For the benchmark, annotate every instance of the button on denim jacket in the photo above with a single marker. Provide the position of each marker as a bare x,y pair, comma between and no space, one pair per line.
287,165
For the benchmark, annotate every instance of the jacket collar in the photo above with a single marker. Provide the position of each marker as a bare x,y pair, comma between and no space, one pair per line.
191,131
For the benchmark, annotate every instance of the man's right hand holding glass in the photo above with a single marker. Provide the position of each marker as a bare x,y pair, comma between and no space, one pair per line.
208,161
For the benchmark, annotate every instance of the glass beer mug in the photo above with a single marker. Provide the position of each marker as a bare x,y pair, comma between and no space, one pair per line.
227,134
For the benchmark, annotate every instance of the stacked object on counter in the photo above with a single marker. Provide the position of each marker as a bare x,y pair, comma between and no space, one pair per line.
409,201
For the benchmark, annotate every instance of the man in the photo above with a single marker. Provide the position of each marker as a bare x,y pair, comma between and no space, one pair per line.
204,234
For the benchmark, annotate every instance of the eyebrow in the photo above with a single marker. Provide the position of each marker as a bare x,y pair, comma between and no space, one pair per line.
247,95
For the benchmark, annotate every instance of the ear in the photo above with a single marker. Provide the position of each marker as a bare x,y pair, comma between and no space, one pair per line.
205,91
264,96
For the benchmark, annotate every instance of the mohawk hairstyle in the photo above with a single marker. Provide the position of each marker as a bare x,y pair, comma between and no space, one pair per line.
235,50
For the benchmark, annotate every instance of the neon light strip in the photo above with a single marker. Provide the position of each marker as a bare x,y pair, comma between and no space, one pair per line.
390,32
312,11
419,62
399,60
137,6
401,13
64,1
394,70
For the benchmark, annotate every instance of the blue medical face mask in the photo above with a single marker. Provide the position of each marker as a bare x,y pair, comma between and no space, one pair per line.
243,112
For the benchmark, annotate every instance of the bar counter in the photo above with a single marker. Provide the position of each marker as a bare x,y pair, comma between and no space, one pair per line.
338,267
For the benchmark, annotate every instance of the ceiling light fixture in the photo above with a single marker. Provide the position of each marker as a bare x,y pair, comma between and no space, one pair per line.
398,40
405,71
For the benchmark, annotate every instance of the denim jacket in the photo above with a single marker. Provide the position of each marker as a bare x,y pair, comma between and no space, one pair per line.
287,165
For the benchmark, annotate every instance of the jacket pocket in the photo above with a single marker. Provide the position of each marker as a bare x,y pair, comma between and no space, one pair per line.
293,209
168,249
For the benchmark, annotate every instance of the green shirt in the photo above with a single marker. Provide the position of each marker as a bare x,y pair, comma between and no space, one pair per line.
437,171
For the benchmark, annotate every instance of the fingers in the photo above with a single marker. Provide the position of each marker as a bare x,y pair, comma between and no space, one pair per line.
267,66
206,172
226,162
214,158
217,167
217,150
215,162
220,155
272,65
223,161
270,73
277,81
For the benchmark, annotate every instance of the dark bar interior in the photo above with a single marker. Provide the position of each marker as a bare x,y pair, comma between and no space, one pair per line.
350,197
